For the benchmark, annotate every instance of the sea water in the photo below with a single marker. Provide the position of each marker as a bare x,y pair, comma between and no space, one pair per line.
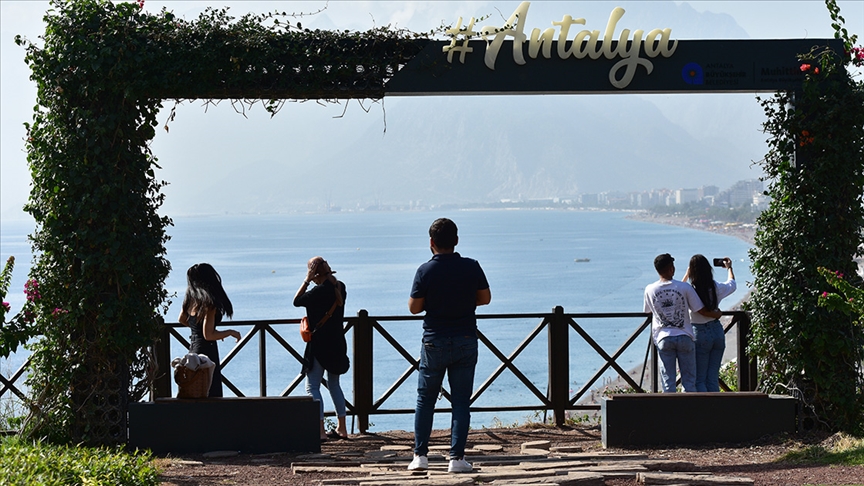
534,260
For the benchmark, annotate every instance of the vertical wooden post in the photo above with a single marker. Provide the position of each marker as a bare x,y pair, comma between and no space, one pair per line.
363,369
262,359
655,368
162,355
747,370
559,365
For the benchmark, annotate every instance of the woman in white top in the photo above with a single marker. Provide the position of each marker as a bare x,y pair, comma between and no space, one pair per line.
710,339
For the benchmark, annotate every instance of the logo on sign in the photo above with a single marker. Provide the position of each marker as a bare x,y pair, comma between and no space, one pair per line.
693,74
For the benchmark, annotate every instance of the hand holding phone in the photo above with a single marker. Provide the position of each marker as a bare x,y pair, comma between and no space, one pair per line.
719,262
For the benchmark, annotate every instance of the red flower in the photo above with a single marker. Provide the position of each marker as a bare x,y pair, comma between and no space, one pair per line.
31,290
805,68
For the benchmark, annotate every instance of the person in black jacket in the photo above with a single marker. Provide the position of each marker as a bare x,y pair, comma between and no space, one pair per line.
327,351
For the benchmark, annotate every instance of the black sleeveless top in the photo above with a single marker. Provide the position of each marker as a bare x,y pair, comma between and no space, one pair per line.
199,345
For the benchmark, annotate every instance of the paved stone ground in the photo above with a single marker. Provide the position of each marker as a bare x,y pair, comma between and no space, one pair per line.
387,454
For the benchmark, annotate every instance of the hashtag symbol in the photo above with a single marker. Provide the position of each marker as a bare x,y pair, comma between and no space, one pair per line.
457,44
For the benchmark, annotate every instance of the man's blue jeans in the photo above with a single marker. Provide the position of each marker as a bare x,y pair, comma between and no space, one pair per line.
679,348
710,345
457,356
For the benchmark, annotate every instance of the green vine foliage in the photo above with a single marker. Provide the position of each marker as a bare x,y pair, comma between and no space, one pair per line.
102,73
816,170
99,241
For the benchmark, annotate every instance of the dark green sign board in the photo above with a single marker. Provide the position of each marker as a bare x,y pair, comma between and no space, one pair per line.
692,66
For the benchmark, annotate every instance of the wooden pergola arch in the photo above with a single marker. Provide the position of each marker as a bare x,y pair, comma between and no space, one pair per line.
86,136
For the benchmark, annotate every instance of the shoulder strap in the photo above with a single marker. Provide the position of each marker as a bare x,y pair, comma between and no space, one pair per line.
329,312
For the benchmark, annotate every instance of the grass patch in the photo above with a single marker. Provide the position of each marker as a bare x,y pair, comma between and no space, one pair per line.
24,463
839,449
537,421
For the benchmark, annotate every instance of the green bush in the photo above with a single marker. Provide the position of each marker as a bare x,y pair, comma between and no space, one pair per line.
816,170
25,463
729,375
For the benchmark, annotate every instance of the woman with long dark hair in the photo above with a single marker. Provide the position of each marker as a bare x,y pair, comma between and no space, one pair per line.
710,339
327,351
203,307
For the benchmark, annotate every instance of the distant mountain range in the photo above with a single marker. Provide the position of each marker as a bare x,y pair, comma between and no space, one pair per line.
449,150
456,150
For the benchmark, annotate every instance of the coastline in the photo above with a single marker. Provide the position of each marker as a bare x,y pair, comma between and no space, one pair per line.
744,232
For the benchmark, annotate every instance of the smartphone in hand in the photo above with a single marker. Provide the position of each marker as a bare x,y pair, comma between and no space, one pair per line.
718,262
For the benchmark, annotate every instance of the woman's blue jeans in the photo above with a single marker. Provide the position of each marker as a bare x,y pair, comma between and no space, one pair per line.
710,345
313,387
681,349
457,356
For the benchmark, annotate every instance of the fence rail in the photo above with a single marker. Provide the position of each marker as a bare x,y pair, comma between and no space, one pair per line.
557,325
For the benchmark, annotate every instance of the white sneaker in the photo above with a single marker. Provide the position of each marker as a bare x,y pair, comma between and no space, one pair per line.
459,466
419,463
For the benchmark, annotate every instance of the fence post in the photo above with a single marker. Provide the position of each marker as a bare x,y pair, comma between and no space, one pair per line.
559,365
162,351
363,369
262,359
655,368
746,365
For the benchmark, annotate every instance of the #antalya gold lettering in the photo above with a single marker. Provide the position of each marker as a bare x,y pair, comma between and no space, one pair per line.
585,43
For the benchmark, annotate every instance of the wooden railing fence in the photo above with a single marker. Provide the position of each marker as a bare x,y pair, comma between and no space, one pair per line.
557,398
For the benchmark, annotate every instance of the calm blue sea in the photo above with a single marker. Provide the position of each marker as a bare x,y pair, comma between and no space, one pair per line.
528,255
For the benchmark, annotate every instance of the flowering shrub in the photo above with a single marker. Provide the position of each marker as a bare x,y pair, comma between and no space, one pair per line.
18,329
857,56
847,299
5,280
809,68
806,342
24,325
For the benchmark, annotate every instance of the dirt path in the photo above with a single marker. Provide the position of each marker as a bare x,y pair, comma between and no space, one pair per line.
757,461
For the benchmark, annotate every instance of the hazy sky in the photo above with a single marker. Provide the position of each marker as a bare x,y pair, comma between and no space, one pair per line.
218,139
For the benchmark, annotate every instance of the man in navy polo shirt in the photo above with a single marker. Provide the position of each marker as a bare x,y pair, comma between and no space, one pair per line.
449,287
